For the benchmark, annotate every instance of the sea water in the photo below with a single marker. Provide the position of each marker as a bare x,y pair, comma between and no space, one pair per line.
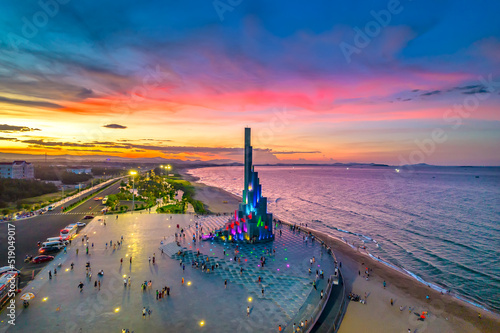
440,225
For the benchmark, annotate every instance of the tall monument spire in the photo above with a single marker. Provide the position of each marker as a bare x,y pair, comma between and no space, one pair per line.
251,222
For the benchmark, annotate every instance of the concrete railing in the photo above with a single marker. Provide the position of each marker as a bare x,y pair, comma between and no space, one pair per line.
318,311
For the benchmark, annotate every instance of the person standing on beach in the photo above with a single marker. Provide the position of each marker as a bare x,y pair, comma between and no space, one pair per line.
248,311
144,312
392,302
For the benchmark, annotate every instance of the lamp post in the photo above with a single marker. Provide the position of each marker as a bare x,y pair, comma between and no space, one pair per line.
168,169
133,173
162,168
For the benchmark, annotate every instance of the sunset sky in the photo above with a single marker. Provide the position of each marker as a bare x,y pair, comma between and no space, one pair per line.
321,81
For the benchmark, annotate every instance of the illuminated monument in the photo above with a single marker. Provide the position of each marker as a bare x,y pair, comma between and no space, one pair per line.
251,222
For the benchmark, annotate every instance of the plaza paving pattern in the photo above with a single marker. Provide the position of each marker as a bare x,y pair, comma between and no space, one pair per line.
202,304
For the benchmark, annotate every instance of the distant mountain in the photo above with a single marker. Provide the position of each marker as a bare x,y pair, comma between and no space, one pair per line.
8,157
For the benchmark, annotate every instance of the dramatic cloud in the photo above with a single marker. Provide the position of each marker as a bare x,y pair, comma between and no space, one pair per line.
178,71
116,126
435,92
52,143
29,103
10,128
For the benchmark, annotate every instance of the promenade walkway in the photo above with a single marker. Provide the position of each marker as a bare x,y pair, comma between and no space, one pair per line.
202,303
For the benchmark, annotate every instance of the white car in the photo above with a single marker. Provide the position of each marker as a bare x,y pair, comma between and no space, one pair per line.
81,224
6,269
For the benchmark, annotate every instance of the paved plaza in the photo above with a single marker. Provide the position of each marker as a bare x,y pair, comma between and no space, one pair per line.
202,303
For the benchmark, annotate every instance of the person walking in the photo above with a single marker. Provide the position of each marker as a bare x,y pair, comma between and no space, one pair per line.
76,251
149,260
321,294
131,260
225,284
125,282
50,275
384,284
129,281
392,302
248,311
80,286
182,281
99,285
144,312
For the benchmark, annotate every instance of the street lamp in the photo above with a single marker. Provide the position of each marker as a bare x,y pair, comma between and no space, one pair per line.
133,173
168,169
161,166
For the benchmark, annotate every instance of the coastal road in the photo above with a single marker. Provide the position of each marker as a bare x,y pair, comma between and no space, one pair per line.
29,231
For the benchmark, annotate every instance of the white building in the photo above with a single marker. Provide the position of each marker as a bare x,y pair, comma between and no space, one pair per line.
17,170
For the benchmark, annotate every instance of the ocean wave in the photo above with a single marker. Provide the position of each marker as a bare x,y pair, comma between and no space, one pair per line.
434,239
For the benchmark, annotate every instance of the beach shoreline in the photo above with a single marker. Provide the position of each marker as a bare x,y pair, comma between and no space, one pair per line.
446,313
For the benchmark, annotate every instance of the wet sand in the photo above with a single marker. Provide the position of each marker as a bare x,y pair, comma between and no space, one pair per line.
444,312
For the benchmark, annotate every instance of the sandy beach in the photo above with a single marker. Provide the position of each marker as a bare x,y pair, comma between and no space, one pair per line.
217,200
444,312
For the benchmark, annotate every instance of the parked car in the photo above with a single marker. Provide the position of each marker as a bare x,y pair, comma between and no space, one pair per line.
81,224
88,217
55,239
6,269
48,249
43,258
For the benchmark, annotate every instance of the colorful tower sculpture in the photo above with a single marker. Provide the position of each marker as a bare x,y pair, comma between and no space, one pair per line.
251,222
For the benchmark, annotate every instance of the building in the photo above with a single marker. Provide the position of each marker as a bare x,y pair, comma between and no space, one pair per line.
251,222
79,170
17,170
